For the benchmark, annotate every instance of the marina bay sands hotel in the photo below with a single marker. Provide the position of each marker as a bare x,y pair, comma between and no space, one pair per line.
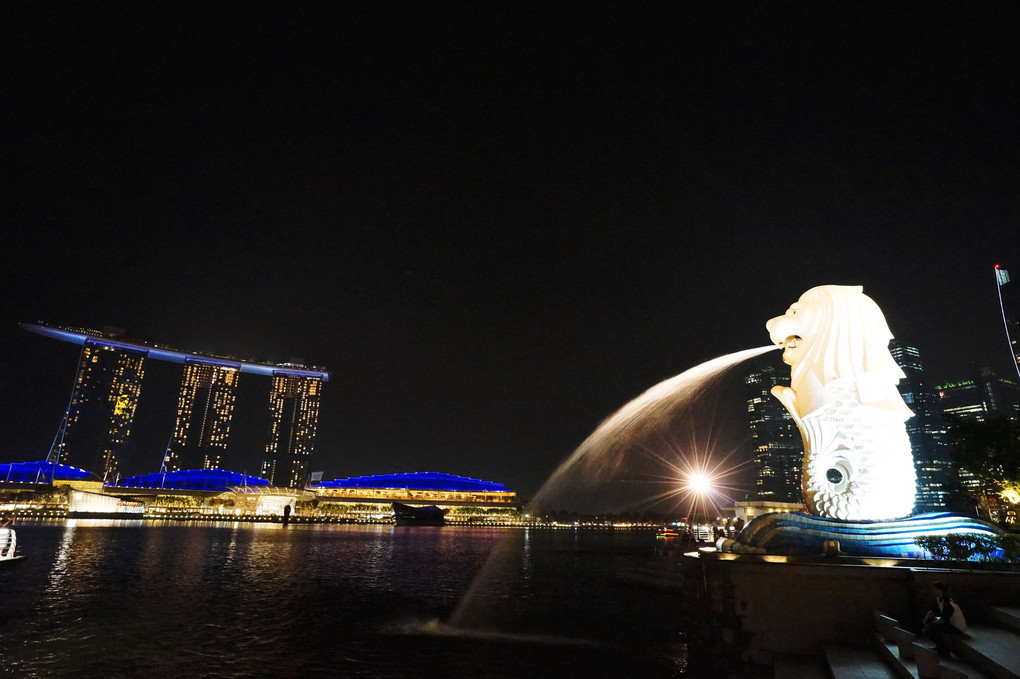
97,423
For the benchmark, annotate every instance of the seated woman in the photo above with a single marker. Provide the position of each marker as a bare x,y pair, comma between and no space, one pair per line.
945,618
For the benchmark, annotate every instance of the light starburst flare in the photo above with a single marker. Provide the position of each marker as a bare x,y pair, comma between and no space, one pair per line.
697,477
699,482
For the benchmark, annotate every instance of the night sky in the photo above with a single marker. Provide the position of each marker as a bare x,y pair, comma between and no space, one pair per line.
493,223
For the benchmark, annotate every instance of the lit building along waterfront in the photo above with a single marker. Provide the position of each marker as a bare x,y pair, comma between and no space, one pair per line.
192,479
436,488
40,472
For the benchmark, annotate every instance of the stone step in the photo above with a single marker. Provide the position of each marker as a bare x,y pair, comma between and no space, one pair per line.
890,651
1006,616
993,650
906,667
855,662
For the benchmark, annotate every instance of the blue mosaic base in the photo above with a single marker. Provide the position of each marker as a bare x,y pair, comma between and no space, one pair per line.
804,534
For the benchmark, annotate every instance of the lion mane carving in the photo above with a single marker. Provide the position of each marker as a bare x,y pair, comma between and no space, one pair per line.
843,397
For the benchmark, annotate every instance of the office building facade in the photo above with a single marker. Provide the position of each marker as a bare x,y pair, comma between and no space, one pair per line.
984,396
778,448
929,442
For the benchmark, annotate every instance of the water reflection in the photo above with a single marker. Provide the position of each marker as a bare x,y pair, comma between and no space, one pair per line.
100,598
59,571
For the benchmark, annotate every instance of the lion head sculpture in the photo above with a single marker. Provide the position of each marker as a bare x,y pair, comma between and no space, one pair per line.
857,458
837,332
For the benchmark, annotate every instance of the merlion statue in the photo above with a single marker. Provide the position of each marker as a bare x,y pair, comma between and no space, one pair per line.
843,397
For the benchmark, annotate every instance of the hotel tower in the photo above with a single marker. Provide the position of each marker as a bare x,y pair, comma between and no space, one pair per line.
98,419
294,409
205,407
97,422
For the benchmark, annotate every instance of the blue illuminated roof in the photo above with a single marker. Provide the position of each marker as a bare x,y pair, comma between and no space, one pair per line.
193,479
40,472
417,481
160,353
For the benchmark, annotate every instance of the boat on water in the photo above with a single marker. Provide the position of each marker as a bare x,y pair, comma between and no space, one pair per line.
406,515
8,548
667,534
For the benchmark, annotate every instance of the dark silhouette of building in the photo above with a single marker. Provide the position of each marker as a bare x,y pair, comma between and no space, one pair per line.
205,408
929,442
97,422
778,453
294,407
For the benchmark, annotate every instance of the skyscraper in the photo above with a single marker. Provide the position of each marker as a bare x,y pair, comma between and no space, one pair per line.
985,396
1010,314
929,443
205,407
294,407
778,447
97,422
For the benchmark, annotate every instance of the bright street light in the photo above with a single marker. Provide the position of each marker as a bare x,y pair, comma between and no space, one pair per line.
699,482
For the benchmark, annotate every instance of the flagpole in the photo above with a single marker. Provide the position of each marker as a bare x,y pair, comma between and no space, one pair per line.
1001,278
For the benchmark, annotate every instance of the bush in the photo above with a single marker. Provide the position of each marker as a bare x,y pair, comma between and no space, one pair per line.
986,547
968,546
960,546
935,545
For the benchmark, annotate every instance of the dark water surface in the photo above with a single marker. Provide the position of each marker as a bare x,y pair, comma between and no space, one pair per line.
141,599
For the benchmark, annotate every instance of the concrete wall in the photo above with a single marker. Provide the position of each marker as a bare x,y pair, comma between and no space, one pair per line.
751,608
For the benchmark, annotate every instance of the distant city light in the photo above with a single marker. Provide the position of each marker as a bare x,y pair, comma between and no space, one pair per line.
1011,495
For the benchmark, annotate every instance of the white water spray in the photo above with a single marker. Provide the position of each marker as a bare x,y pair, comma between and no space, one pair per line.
628,444
606,468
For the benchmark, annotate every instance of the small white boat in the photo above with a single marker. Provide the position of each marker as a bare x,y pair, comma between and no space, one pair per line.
8,548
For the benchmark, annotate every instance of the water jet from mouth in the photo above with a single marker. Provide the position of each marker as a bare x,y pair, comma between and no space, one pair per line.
635,458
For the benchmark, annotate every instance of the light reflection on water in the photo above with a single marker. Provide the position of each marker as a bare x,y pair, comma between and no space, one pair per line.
105,598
